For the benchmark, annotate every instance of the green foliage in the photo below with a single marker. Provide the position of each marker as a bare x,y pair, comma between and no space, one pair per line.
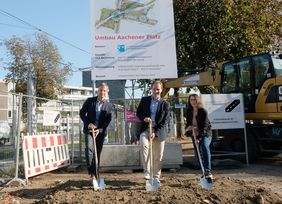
145,86
41,57
208,89
211,31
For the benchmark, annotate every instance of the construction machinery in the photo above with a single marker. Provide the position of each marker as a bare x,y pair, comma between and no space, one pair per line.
259,79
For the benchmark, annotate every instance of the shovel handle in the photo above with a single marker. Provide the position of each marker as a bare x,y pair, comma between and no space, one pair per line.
95,132
151,152
194,131
150,128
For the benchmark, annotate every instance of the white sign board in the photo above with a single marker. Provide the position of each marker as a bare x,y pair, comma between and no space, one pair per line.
192,80
180,105
4,129
226,111
51,118
132,39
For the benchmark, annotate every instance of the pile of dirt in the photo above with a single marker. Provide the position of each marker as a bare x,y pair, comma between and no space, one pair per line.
130,188
173,190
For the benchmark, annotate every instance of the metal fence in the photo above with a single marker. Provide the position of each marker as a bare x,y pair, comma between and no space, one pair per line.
8,132
37,115
31,115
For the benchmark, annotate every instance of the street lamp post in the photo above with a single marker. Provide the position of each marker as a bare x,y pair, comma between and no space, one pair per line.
30,89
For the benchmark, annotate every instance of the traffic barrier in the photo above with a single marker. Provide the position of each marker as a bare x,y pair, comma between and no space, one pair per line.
44,153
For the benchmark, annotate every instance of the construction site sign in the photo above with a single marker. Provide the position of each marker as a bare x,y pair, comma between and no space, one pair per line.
132,39
226,111
51,118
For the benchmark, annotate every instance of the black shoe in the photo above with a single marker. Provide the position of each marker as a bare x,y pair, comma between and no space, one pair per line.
208,175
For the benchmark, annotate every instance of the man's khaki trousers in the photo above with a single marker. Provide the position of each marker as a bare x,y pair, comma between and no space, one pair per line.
158,150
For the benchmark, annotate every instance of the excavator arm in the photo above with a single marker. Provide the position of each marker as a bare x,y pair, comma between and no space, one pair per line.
206,78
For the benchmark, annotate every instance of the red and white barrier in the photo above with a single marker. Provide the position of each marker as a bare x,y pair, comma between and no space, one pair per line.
44,153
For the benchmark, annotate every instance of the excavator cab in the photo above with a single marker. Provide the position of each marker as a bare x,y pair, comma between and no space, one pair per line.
259,79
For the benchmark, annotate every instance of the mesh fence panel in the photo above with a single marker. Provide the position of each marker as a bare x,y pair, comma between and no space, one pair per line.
42,115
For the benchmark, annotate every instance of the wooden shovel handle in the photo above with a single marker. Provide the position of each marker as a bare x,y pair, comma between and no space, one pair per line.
195,131
95,132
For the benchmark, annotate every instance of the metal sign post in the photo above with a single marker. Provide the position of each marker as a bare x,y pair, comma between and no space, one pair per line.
16,180
181,106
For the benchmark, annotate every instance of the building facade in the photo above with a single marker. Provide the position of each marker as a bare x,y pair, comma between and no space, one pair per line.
116,87
4,98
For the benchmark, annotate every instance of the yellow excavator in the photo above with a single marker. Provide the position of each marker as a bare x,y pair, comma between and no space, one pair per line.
259,79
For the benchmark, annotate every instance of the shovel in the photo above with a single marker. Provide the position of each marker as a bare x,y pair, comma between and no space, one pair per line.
151,184
205,182
100,183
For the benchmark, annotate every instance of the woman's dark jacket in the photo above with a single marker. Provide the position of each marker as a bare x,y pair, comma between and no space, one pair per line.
204,124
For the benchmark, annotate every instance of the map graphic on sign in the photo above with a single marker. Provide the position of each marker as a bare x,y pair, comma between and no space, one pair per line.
126,10
233,106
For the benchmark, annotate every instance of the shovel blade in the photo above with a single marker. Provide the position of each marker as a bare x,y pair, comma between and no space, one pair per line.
96,185
102,184
151,186
99,185
206,183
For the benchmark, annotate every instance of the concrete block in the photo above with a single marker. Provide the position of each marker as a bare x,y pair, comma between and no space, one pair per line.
120,156
172,154
129,156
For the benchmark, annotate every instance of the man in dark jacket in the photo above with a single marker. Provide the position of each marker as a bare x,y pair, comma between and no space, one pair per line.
156,110
95,114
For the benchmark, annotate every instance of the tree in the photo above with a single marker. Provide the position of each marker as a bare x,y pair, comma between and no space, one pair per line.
211,31
40,57
145,86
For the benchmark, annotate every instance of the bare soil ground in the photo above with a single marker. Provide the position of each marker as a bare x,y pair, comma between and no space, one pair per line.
257,183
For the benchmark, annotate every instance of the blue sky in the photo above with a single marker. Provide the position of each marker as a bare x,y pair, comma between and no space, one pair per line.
68,20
